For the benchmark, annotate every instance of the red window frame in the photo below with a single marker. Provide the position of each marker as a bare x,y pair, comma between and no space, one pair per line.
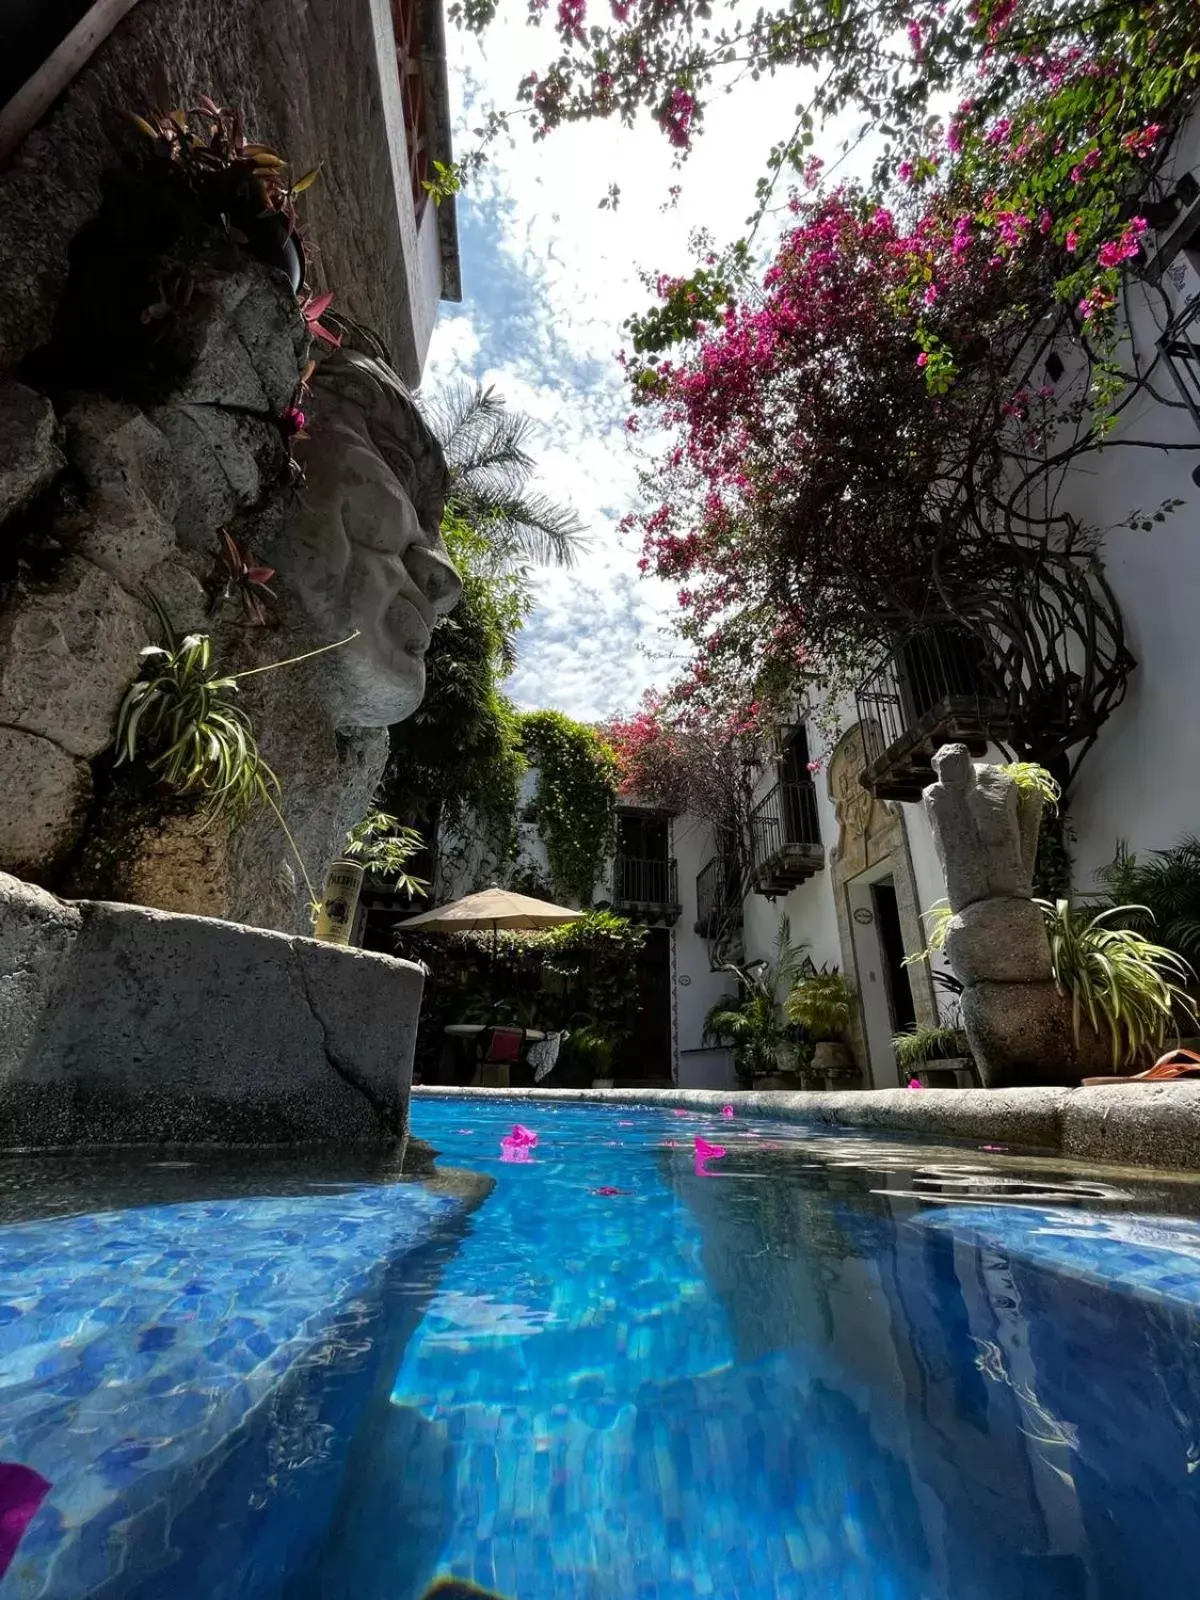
406,22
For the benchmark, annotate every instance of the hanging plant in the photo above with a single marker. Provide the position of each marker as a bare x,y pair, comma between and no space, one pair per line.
576,798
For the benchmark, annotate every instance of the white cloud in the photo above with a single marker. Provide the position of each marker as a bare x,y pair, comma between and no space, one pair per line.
548,280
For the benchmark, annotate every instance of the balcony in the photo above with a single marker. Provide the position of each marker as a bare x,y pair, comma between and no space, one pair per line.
932,689
1181,346
646,888
785,839
718,898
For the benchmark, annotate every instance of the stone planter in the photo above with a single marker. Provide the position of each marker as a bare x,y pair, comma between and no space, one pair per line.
949,1072
832,1056
777,1080
339,902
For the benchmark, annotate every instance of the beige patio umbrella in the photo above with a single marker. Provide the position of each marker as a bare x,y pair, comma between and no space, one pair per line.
491,908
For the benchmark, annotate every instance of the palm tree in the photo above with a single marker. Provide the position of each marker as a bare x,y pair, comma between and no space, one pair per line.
490,470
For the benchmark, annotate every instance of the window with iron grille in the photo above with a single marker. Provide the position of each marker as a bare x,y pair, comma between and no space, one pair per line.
406,22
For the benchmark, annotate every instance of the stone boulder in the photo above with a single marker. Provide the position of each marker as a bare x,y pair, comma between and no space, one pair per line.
30,458
125,1025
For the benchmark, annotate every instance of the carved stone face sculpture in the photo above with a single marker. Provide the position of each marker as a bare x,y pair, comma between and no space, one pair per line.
362,550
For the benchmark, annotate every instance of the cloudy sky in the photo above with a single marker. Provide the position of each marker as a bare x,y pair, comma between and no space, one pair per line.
548,279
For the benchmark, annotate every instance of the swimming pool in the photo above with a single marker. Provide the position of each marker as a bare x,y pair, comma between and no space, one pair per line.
815,1365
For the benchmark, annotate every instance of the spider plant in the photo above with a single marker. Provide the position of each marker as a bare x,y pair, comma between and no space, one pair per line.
179,717
385,849
1126,986
1032,779
937,924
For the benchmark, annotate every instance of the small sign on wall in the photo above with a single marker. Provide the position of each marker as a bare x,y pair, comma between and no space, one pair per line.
864,916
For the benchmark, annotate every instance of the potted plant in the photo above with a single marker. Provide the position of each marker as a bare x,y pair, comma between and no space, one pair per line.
752,1022
380,846
940,1051
593,1047
822,1004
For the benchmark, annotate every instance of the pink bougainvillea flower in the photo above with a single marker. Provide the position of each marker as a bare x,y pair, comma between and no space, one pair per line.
705,1153
515,1146
726,1111
22,1491
681,1113
610,1189
915,1083
995,1149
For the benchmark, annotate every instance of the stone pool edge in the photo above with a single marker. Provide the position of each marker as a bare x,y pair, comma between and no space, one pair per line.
1146,1125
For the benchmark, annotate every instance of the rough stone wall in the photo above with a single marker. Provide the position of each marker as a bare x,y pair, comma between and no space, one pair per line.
106,502
133,508
123,1025
305,76
52,185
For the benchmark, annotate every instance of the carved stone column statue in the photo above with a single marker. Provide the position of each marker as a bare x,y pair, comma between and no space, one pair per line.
985,828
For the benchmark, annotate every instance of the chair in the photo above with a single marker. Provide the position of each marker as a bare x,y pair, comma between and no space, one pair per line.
499,1049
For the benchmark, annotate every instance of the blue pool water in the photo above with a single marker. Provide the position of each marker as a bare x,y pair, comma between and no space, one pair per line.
815,1366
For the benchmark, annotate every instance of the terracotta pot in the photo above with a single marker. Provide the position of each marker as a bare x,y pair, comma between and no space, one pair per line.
339,902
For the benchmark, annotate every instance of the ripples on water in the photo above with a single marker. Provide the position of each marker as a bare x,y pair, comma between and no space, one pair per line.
814,1366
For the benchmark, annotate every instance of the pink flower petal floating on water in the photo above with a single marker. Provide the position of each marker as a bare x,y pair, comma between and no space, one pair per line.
995,1149
624,1124
705,1153
678,1113
726,1111
515,1146
22,1491
608,1188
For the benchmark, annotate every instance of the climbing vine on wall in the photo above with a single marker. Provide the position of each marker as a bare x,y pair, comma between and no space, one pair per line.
576,798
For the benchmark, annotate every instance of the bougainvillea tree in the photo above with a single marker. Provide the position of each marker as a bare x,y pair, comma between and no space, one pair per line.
1075,83
700,757
871,439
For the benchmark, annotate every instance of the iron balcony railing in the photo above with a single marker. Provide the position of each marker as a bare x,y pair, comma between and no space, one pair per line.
1181,346
788,815
718,895
931,675
645,881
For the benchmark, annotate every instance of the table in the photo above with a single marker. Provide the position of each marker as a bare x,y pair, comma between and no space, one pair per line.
471,1030
491,1075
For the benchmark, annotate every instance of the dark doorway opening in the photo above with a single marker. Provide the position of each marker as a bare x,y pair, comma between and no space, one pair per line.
646,1055
891,944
